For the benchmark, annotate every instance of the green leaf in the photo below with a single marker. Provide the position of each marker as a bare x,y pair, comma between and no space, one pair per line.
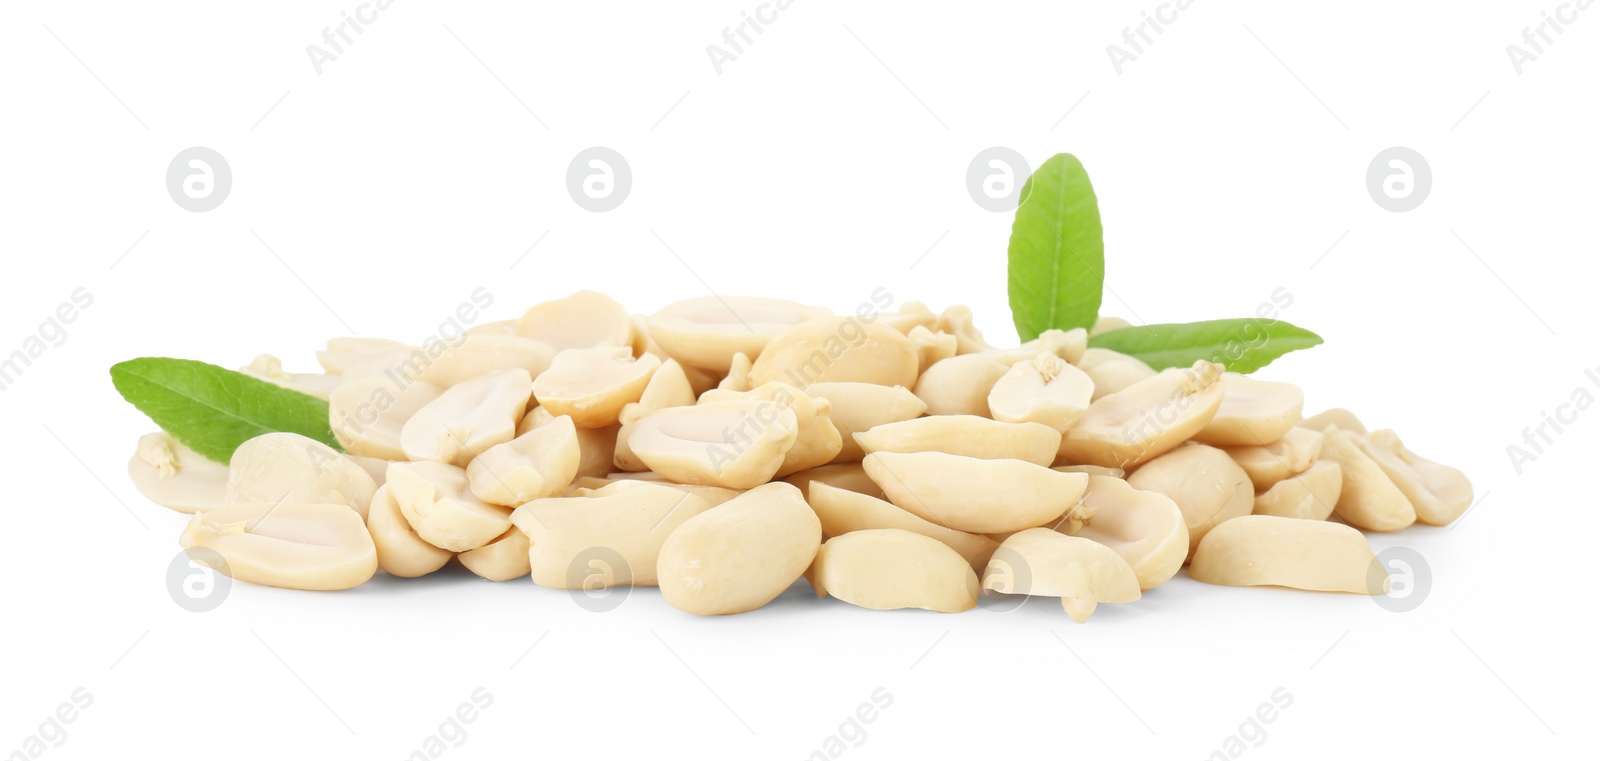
1242,345
1057,253
213,410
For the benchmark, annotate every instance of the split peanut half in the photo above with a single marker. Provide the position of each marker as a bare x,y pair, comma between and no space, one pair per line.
860,407
1112,371
887,569
1368,498
1266,550
1145,420
468,418
1044,563
270,369
1253,412
592,385
288,544
176,477
838,349
1044,390
1145,528
1439,493
1203,481
738,444
579,321
851,476
438,503
842,511
707,332
367,415
739,555
974,495
605,537
1269,464
1310,495
668,387
967,435
539,463
401,552
288,467
503,559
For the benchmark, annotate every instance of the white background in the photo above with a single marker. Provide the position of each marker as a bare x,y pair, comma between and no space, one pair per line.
821,164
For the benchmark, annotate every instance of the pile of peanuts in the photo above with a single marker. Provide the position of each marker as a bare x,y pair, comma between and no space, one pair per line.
725,447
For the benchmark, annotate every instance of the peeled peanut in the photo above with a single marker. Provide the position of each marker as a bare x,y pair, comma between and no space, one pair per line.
1206,484
376,468
1253,412
1093,470
960,385
1106,324
468,418
1266,550
668,387
270,369
1368,498
737,444
1147,529
401,552
817,441
503,559
436,500
838,349
537,464
288,544
1044,390
596,446
851,476
1310,495
931,347
715,495
738,377
967,435
843,511
859,407
1112,371
1438,493
1343,418
1145,420
741,554
174,476
592,385
1269,464
495,328
617,530
345,355
367,415
288,467
707,332
910,316
957,321
473,355
579,321
974,495
887,569
1044,563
